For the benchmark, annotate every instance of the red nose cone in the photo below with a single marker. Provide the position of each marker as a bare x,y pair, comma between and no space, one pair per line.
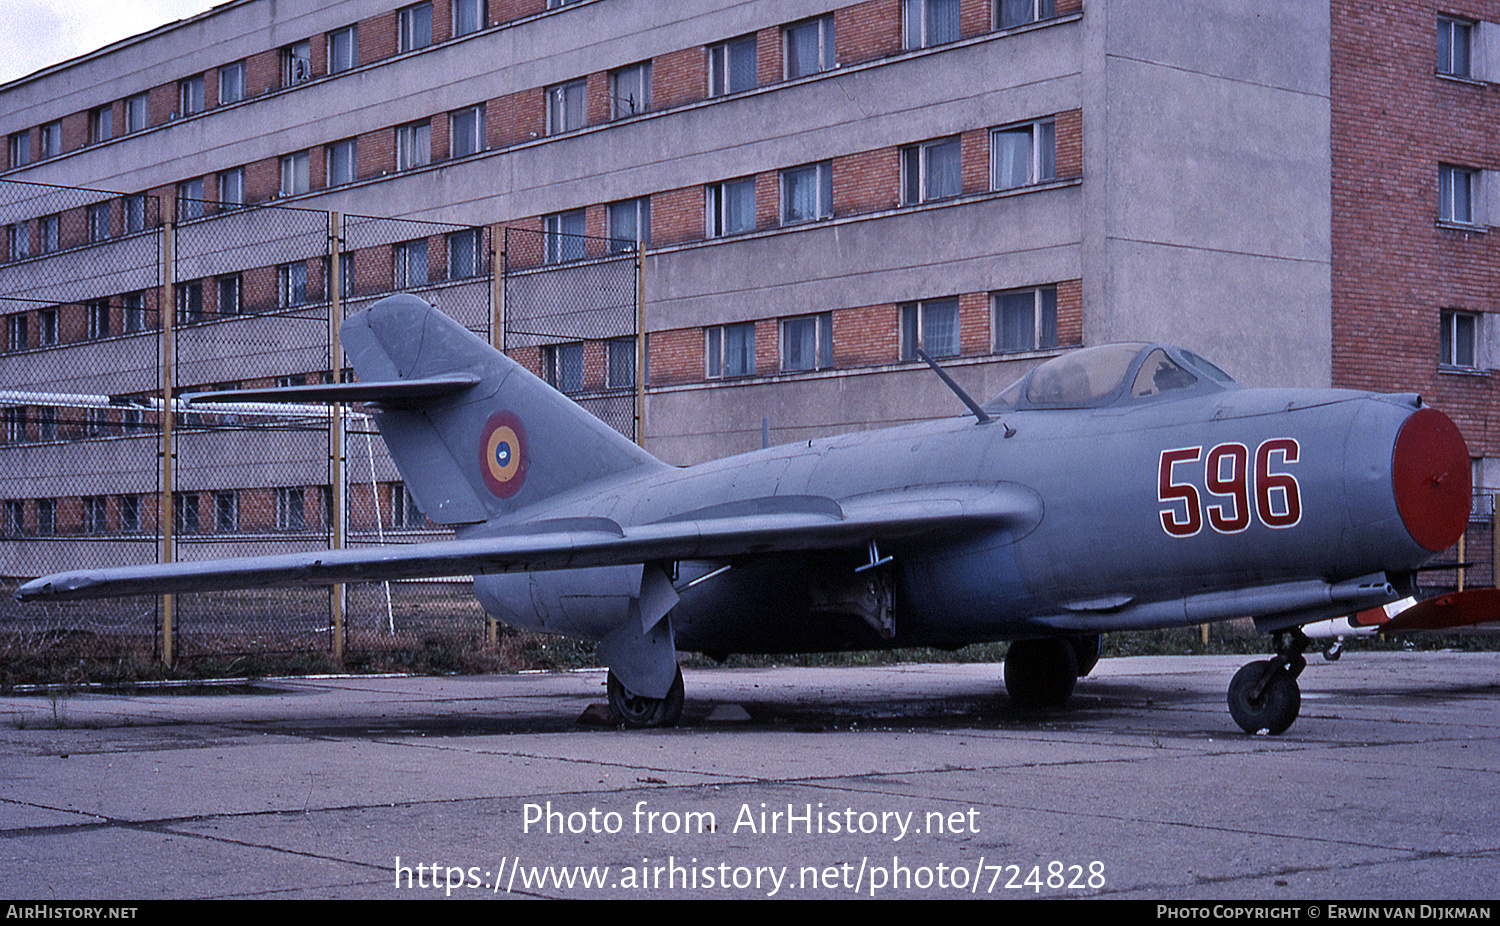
1430,474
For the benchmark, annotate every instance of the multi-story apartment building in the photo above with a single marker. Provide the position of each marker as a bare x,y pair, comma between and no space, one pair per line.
1304,192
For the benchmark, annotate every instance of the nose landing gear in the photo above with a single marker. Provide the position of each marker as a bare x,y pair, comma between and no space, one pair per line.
1264,696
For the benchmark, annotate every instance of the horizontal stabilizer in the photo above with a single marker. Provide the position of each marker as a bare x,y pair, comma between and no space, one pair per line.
1456,611
393,394
575,543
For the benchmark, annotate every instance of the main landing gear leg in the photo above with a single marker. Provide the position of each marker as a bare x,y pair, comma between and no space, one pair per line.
1263,696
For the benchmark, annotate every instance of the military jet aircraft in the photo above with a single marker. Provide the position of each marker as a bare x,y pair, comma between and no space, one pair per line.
1119,487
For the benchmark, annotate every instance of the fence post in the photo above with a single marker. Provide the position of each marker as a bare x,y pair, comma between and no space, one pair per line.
336,489
167,313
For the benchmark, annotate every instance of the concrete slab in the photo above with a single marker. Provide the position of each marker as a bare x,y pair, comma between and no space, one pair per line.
896,782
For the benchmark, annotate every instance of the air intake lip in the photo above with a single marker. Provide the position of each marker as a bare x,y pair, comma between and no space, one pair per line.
1431,479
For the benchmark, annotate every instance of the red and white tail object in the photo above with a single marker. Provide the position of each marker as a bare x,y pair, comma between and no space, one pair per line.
1476,609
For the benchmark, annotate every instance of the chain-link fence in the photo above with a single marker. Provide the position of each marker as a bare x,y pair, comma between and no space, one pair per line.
112,312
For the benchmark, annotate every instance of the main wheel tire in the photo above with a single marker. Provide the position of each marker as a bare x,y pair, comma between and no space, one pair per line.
639,712
1041,673
1277,705
1088,649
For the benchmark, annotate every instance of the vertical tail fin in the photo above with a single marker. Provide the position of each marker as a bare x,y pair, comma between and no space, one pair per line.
506,442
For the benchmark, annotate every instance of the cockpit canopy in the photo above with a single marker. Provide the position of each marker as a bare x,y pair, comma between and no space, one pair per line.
1112,374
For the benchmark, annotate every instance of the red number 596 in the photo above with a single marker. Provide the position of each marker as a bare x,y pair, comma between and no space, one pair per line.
1235,496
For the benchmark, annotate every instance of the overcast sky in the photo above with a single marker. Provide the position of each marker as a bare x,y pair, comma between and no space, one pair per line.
42,32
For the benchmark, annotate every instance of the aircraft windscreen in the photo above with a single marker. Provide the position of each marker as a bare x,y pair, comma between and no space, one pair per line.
1206,368
1083,377
1159,374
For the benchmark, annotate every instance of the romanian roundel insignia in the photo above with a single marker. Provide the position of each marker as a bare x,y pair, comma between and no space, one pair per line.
502,454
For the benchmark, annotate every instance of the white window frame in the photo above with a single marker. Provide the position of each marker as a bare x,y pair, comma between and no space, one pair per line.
405,512
296,63
231,83
133,213
413,27
343,162
51,140
567,106
291,284
99,219
629,224
409,264
1040,140
465,253
564,236
101,124
619,367
137,113
1456,328
18,241
920,26
226,511
191,96
95,514
230,293
15,331
726,66
133,312
20,148
186,517
1455,47
414,145
1458,194
46,517
630,90
1042,321
129,507
563,366
190,204
1012,14
49,234
821,176
15,517
719,202
793,329
296,173
466,131
469,16
916,320
717,355
343,49
821,29
918,176
190,302
98,319
232,187
291,510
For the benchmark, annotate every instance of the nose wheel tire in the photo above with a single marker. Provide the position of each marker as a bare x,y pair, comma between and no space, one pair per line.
640,712
1263,696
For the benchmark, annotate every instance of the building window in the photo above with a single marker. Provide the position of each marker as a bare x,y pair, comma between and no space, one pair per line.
226,511
291,284
290,514
564,239
468,16
296,63
565,109
20,149
46,517
102,124
342,158
98,319
343,49
130,513
930,325
730,208
1013,13
1023,155
413,145
1459,339
1026,319
49,233
185,513
467,131
930,171
190,96
190,302
15,332
134,213
929,22
95,514
465,258
729,350
231,83
404,509
562,366
806,193
133,306
228,287
232,188
414,27
18,241
296,173
731,66
1453,44
620,373
137,109
15,425
190,199
98,214
15,518
630,90
410,263
51,136
629,224
46,423
807,342
809,47
1457,190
